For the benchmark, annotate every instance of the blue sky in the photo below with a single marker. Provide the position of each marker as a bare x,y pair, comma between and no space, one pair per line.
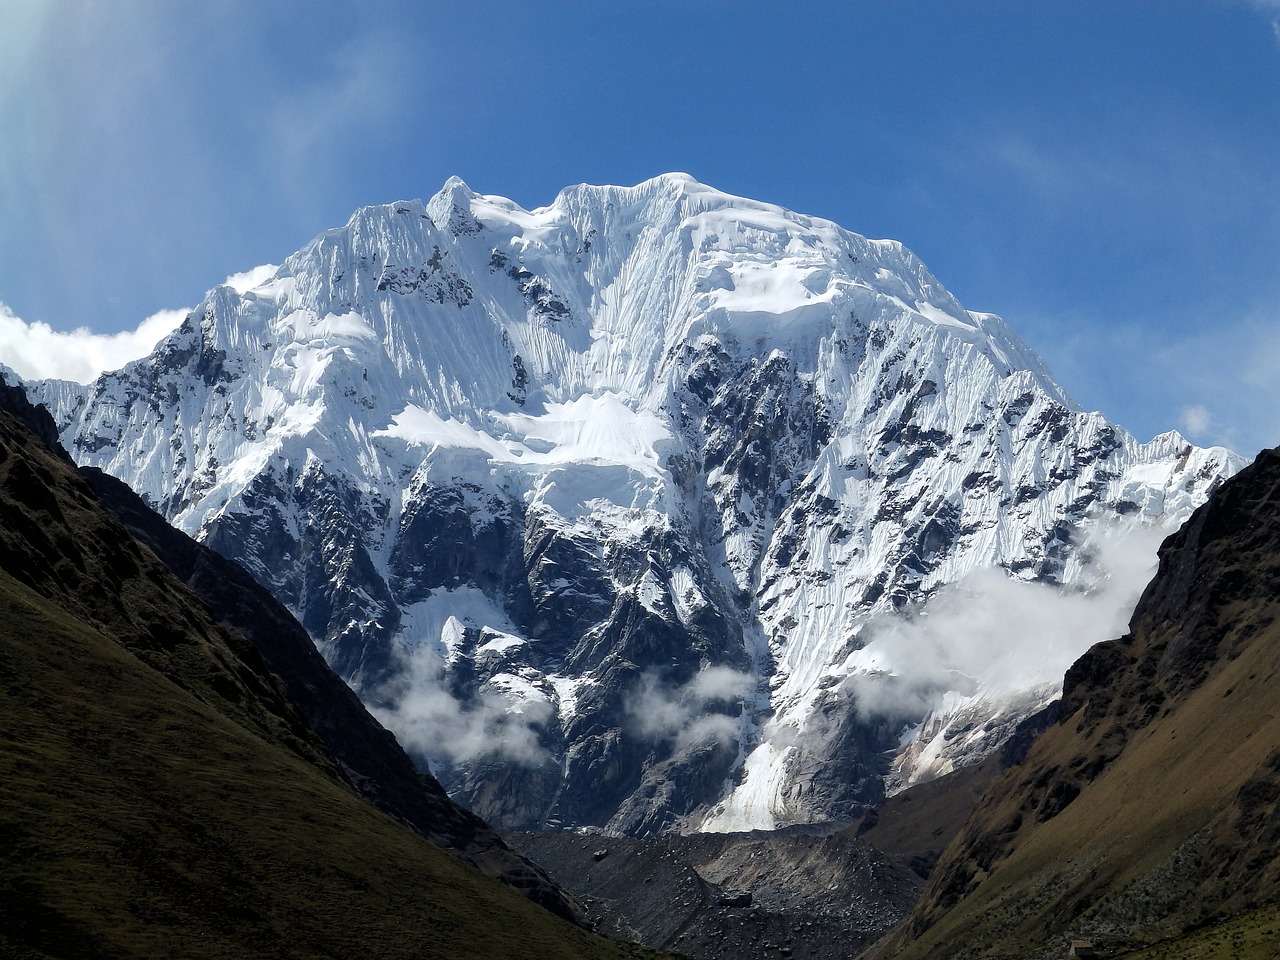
1104,175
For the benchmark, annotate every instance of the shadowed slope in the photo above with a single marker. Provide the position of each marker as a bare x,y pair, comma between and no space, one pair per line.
914,826
161,795
367,755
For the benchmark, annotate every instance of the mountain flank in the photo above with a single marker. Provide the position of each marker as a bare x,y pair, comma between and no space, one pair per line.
162,795
1151,808
634,495
367,756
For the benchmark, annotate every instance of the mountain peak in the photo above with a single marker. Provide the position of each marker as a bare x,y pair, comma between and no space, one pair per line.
649,451
453,192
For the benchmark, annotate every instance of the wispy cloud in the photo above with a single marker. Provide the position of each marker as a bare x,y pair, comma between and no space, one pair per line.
430,721
691,712
248,279
36,351
1196,421
148,143
314,133
997,635
1232,374
1271,10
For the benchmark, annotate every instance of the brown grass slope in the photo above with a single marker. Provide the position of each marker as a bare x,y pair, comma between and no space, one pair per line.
916,825
1150,808
161,796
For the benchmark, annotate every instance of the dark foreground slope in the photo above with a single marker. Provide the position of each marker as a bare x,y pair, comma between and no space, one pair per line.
1150,808
160,793
369,757
366,754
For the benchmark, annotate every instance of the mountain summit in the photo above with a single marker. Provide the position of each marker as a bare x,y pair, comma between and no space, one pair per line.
603,506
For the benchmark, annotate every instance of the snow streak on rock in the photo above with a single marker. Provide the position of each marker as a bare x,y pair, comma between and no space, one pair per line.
603,506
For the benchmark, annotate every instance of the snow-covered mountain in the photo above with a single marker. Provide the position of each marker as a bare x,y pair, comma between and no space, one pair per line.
615,509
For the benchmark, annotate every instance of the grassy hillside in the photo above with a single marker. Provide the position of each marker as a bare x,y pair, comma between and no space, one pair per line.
1254,935
137,821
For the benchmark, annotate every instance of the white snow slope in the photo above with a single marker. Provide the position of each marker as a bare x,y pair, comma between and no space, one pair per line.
624,511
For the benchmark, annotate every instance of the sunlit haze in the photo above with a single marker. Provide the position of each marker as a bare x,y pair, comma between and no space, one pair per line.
1102,175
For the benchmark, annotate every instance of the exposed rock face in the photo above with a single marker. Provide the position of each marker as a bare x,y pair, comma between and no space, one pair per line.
594,503
1151,805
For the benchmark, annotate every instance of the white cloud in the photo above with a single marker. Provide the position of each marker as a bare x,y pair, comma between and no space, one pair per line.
994,634
1196,420
36,351
431,722
248,279
690,713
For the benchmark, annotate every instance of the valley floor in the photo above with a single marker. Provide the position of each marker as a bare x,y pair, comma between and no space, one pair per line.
782,894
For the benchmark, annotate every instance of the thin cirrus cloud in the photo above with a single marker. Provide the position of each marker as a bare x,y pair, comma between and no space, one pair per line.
1232,375
313,131
1153,348
1270,9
